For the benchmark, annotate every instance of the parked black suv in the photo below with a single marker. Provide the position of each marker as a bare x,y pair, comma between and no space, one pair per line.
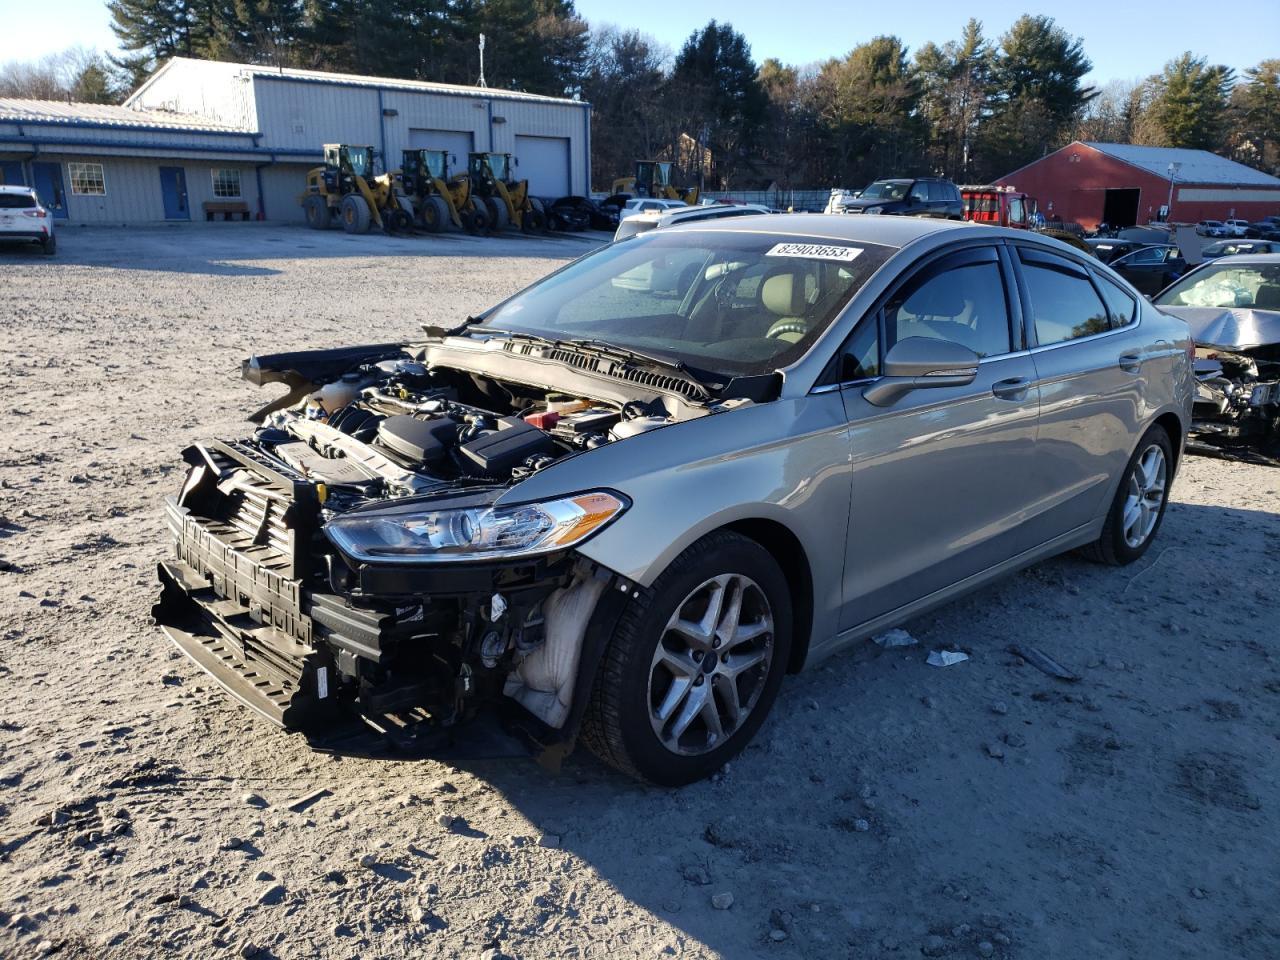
921,197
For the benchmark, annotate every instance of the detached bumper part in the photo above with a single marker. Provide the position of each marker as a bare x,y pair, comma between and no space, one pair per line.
260,666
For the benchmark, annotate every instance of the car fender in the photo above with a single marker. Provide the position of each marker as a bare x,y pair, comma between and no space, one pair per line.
786,462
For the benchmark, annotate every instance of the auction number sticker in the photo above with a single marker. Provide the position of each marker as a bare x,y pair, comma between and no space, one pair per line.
814,251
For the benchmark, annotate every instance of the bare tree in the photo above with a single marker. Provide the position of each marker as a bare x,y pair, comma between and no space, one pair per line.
77,73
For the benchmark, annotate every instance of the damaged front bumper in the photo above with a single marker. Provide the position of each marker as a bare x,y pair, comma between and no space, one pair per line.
304,638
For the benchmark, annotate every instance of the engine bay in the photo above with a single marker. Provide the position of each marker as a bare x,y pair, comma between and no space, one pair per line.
395,427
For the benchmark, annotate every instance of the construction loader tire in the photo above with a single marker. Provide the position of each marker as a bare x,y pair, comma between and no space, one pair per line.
435,214
534,219
354,213
499,218
317,212
475,219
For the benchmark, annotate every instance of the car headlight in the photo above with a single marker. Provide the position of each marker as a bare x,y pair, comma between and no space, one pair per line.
874,210
474,533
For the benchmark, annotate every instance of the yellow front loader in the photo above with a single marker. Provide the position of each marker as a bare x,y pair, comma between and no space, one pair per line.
507,199
345,191
438,199
653,179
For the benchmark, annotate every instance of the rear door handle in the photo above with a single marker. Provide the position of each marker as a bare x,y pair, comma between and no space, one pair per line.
1015,388
1130,362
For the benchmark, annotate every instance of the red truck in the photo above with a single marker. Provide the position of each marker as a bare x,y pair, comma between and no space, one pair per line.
999,206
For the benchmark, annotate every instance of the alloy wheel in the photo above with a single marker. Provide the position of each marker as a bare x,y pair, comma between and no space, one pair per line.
1145,496
710,665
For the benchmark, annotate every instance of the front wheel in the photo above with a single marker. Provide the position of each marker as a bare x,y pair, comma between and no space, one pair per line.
695,664
1139,504
355,214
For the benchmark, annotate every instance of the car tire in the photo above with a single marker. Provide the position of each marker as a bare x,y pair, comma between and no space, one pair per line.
49,246
1139,505
655,722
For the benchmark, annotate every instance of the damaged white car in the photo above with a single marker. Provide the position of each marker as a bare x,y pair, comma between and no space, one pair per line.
1232,305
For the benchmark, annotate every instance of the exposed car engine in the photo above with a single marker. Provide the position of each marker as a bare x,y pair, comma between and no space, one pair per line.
312,529
1237,404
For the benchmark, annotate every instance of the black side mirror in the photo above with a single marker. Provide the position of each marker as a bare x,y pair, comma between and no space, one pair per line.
918,363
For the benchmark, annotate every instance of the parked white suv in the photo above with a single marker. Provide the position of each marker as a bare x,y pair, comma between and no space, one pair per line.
1238,228
23,217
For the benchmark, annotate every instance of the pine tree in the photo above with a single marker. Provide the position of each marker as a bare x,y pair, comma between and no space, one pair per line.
1191,106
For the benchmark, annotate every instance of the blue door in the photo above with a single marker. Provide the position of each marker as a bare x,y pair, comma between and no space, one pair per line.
173,185
47,179
11,173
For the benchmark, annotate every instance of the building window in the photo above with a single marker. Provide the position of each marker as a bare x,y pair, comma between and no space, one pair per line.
226,182
87,179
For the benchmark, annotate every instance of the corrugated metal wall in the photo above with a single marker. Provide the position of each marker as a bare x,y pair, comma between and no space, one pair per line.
206,88
301,115
281,186
133,188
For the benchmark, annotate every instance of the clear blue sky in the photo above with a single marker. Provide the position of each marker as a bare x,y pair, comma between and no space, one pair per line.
1125,40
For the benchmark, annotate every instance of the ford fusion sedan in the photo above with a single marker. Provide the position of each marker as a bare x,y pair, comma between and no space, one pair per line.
621,505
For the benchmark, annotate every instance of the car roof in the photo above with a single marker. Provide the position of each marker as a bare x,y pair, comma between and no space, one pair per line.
14,188
1254,260
887,231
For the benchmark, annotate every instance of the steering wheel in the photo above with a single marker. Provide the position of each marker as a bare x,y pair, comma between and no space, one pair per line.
786,325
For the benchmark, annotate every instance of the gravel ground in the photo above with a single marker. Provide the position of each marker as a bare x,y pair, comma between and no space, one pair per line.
888,809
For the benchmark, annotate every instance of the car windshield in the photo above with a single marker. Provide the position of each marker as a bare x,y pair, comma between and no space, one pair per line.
17,201
733,304
1226,285
886,190
1227,248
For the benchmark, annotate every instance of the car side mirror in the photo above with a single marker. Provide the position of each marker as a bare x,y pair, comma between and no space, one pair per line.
918,363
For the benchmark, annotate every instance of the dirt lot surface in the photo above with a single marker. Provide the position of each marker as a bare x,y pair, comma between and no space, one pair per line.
889,808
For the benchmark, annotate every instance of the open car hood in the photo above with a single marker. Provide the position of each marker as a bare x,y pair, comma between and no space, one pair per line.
1234,329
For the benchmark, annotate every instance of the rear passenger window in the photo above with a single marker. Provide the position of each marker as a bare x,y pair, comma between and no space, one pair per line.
1124,309
965,305
1064,305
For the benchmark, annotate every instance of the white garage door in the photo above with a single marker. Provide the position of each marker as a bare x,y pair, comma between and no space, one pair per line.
544,162
456,142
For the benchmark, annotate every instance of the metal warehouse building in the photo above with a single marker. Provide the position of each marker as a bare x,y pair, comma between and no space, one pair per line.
1123,185
208,139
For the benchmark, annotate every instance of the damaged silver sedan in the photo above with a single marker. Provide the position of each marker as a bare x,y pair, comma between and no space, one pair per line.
622,504
1233,308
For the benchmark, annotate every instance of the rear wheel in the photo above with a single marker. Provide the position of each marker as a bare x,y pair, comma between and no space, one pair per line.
317,212
475,219
535,218
499,217
354,213
49,245
435,214
1139,504
695,664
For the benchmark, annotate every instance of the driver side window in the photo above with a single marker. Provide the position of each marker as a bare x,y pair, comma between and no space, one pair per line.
964,304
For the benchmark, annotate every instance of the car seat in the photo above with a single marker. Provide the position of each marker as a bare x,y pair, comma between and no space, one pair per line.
783,295
934,311
1267,297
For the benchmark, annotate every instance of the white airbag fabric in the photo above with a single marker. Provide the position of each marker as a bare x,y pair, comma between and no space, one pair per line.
543,681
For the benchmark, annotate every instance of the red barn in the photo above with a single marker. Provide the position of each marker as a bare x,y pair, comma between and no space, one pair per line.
1123,185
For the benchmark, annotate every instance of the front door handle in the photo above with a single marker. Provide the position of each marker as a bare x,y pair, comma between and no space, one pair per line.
1130,362
1015,388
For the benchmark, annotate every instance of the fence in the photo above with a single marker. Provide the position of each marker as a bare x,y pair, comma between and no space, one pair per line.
815,200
